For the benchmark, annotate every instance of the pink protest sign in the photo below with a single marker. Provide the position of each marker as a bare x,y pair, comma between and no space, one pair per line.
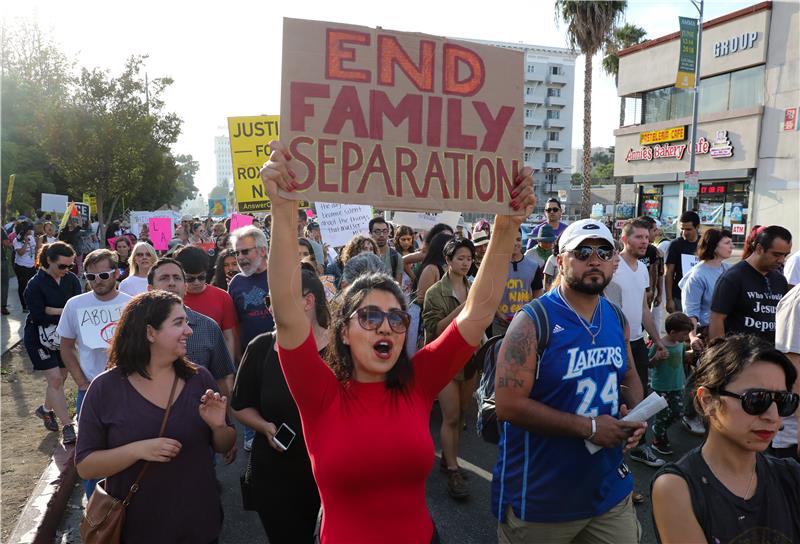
240,220
160,232
112,242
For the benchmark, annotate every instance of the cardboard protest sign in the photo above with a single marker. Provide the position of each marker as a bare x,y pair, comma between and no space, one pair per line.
54,203
399,120
160,232
338,223
239,220
98,324
250,138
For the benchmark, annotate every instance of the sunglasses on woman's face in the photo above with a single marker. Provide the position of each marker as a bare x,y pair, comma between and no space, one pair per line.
102,275
64,266
757,401
371,318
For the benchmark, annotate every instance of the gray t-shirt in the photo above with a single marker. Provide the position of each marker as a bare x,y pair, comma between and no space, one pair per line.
91,322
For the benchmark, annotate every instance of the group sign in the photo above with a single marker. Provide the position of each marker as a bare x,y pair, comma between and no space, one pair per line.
398,120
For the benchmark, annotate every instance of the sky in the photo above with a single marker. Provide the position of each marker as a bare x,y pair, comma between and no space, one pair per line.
225,57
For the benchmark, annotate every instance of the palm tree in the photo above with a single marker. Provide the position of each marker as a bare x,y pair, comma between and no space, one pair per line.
589,26
623,37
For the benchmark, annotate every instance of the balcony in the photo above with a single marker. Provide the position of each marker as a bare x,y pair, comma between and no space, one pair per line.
556,79
553,145
550,165
555,101
535,121
534,76
533,99
554,123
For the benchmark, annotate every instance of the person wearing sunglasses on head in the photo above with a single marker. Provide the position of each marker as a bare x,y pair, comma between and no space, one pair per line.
87,325
366,423
45,295
727,490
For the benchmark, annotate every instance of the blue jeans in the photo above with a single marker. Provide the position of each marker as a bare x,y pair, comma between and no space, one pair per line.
88,485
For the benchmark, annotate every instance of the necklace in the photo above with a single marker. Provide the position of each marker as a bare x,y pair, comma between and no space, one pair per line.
749,483
582,320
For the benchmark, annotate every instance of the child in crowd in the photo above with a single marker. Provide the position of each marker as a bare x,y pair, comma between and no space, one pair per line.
667,377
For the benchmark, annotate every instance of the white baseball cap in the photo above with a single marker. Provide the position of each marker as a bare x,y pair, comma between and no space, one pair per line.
581,230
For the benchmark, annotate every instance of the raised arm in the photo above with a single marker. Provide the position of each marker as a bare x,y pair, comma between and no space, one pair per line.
485,294
291,323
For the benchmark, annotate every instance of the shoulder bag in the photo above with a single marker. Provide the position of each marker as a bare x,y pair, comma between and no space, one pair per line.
104,516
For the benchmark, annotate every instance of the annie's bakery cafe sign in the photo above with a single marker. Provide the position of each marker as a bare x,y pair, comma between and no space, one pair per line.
720,148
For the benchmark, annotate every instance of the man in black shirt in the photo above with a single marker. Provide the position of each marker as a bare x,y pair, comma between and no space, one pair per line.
746,295
680,258
654,263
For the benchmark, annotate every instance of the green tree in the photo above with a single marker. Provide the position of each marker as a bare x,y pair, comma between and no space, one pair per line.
112,140
35,79
589,27
603,171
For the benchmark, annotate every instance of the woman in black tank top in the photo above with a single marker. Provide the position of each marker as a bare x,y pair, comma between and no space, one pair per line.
727,490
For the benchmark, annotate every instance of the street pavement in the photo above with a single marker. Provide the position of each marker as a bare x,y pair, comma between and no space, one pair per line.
11,325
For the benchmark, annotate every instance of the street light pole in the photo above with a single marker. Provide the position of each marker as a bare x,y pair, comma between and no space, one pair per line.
698,4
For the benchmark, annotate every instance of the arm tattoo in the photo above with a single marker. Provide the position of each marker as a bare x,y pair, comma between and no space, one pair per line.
519,343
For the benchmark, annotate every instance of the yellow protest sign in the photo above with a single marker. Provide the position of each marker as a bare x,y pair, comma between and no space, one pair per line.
250,137
92,202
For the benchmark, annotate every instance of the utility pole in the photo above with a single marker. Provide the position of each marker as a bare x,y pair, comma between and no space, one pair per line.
698,4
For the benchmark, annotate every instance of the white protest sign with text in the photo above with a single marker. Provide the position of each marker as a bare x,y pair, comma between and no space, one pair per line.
338,223
98,323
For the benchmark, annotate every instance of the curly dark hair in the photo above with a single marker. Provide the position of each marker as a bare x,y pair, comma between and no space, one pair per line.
130,350
219,269
339,357
403,230
353,247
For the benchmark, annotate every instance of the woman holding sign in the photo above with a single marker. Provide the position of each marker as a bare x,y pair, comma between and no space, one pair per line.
366,423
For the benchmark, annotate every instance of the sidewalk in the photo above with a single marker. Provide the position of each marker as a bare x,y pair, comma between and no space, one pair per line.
12,325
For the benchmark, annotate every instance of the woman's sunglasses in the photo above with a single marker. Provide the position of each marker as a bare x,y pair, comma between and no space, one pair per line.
757,401
102,275
582,253
64,266
371,317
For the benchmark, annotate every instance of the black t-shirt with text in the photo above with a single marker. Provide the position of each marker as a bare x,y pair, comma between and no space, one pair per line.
681,254
748,299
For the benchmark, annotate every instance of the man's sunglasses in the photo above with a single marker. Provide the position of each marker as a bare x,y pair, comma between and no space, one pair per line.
757,401
199,278
582,253
64,266
244,252
371,318
552,210
102,275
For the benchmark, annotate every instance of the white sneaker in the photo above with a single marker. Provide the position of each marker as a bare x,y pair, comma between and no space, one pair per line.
248,444
694,426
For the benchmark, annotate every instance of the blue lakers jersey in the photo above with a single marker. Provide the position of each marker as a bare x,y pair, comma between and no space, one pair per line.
555,478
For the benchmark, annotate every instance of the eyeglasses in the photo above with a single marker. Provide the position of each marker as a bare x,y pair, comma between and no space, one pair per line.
582,253
245,251
371,318
141,254
102,275
380,232
552,210
199,278
757,401
64,266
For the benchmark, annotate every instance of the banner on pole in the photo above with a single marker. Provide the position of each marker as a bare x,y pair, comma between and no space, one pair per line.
691,184
217,207
400,121
687,59
10,191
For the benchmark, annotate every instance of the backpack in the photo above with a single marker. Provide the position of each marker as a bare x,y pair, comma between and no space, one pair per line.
487,425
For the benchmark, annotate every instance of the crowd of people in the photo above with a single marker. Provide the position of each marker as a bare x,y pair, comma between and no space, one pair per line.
332,361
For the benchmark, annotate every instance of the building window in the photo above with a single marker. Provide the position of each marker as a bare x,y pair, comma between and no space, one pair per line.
680,103
528,91
552,136
527,156
553,92
551,157
530,68
656,105
714,93
553,114
528,113
555,70
551,178
747,88
528,134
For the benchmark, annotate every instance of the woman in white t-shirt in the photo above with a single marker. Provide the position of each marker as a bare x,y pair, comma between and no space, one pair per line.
142,258
24,258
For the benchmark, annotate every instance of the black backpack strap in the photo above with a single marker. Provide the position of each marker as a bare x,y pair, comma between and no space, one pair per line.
617,310
538,314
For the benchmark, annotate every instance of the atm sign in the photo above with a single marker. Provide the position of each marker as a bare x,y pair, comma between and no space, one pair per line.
674,134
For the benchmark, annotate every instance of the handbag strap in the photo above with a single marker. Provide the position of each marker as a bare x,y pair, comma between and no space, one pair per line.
135,487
